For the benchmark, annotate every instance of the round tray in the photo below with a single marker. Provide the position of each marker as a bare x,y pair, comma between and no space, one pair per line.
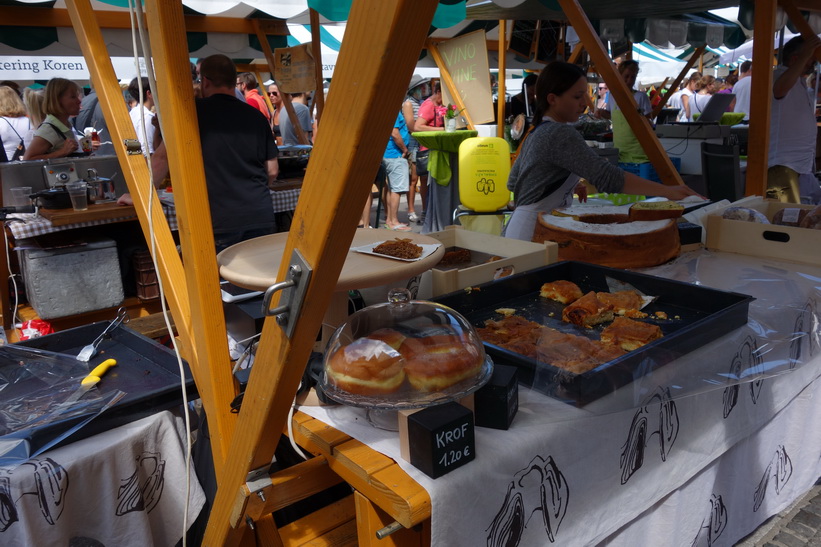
408,398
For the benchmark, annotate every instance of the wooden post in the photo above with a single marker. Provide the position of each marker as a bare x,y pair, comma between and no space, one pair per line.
500,89
761,93
447,79
576,53
134,167
316,47
800,23
623,96
285,97
339,176
264,91
677,82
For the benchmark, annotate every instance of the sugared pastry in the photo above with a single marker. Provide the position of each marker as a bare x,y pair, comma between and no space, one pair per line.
370,365
629,335
436,362
561,291
587,311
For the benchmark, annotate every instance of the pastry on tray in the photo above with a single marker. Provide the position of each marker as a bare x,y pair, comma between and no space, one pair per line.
622,302
561,291
629,334
587,311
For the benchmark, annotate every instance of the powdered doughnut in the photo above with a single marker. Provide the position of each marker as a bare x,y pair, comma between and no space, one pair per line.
433,363
370,365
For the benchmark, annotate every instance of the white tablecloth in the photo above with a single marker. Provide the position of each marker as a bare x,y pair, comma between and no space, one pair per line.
648,465
122,487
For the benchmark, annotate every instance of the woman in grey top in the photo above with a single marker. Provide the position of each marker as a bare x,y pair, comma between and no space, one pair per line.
554,156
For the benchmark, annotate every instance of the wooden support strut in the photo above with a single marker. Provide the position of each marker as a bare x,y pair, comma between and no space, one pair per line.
800,23
677,82
500,89
316,48
447,79
344,161
761,92
623,96
285,97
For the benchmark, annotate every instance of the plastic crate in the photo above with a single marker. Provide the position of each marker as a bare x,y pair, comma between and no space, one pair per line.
646,170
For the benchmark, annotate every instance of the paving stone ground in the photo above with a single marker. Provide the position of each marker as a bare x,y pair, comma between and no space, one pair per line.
797,526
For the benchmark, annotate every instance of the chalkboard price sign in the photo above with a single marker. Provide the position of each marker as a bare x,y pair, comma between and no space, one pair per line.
441,438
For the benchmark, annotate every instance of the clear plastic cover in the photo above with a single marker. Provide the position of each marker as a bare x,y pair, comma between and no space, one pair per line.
404,354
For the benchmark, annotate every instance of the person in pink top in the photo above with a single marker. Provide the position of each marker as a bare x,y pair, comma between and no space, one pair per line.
247,83
430,117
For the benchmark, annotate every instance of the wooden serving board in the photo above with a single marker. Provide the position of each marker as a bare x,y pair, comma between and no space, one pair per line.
98,211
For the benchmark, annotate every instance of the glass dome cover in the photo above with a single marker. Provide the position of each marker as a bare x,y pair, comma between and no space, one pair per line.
404,354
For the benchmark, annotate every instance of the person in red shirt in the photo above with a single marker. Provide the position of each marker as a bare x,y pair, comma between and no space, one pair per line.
247,84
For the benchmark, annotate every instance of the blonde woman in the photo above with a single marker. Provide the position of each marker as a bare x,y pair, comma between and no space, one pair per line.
686,97
14,125
55,138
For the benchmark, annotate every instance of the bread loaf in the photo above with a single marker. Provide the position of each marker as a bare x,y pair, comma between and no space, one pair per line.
813,219
745,214
790,216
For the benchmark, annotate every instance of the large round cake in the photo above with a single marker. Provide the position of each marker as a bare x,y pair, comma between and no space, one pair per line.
606,236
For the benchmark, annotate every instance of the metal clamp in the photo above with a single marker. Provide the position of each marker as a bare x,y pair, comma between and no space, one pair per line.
293,294
258,480
132,147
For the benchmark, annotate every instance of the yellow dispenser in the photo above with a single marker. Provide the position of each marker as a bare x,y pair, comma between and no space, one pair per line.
484,166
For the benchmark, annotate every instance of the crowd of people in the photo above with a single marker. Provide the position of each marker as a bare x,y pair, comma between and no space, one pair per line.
242,126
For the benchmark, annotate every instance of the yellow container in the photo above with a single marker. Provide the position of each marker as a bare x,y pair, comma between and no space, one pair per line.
484,166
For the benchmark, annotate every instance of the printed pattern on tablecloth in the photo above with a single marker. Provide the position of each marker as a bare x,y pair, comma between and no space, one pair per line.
36,225
564,475
63,498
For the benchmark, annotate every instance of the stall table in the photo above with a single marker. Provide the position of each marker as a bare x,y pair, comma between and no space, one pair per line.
647,464
443,176
254,265
126,486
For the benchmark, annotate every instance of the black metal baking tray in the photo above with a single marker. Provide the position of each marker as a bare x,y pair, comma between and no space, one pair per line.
696,315
146,372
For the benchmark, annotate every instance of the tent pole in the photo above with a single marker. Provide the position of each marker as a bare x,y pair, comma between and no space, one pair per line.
339,176
677,82
264,93
638,123
500,90
316,47
576,53
761,91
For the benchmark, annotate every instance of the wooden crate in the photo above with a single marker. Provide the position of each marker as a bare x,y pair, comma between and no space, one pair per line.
521,255
765,240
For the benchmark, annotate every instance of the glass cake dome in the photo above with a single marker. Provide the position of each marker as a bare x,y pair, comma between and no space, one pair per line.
404,354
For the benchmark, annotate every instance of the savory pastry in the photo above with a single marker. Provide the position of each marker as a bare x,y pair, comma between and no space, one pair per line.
452,258
587,311
622,301
561,291
790,216
744,213
629,334
399,248
813,219
576,354
436,362
370,365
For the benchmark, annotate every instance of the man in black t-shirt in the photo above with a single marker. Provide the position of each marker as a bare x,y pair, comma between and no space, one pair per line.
239,155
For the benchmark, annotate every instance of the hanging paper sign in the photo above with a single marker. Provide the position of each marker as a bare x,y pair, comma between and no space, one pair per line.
294,69
465,58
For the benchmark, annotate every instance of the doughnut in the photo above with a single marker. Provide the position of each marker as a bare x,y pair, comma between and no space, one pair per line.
368,366
436,362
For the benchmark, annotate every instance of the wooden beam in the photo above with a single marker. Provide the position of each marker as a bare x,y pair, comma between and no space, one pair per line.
576,54
134,167
316,47
623,96
800,23
761,93
500,80
447,79
55,17
182,142
340,174
285,97
677,82
264,91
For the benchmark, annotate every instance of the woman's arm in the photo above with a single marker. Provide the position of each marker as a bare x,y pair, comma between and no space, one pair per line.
422,125
38,149
638,186
407,113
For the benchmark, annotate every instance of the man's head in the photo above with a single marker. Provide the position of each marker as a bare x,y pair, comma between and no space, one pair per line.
629,71
529,86
790,54
246,82
134,91
218,75
745,69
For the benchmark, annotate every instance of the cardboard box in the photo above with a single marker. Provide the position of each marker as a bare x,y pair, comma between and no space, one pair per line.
788,243
521,255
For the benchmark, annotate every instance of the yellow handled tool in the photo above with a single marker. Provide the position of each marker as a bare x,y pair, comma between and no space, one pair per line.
91,380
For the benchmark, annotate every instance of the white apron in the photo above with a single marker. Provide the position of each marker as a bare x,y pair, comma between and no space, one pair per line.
523,222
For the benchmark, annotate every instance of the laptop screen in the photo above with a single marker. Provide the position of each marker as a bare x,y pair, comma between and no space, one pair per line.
715,108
